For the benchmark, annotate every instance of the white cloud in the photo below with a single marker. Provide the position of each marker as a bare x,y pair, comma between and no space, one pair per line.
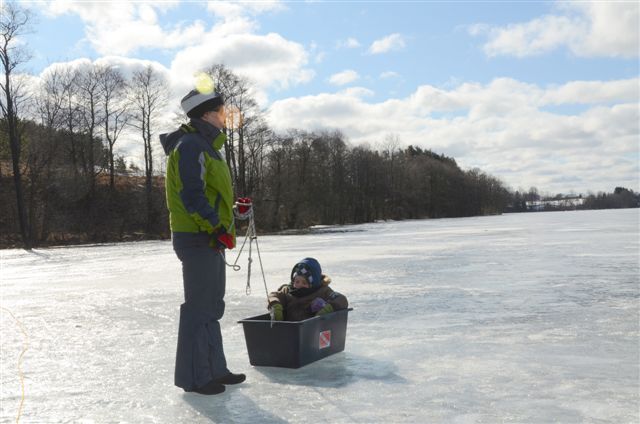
349,43
389,74
389,43
357,92
593,92
344,77
504,127
318,55
120,28
587,29
269,61
237,9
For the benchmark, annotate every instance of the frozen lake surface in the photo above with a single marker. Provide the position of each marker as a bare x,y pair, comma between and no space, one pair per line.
527,318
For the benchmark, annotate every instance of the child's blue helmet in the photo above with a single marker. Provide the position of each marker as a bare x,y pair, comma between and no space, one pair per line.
310,269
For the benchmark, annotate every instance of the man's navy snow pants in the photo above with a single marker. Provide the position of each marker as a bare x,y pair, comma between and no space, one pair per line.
200,356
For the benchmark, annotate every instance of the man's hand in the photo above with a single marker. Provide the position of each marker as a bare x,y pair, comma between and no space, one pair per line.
222,239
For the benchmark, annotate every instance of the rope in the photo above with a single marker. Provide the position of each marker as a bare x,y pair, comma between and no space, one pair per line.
251,235
25,346
264,280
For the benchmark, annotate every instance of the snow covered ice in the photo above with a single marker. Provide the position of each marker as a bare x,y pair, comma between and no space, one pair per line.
517,318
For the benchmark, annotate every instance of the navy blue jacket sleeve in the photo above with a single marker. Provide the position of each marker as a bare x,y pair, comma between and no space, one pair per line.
193,173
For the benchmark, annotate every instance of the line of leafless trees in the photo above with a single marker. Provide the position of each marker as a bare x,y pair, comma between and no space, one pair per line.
62,130
59,143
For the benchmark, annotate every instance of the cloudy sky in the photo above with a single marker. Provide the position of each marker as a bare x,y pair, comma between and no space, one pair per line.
541,94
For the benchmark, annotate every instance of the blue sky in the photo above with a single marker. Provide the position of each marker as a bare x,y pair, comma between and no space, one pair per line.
536,93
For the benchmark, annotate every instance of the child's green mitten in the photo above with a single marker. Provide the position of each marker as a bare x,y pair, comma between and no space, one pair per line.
278,313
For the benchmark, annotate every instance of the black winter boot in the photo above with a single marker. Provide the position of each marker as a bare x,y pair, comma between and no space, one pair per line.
231,378
211,388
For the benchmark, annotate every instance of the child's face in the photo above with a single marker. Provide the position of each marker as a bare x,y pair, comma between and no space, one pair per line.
299,282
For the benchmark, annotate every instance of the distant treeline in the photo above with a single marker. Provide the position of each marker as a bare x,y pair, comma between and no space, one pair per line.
299,179
620,198
531,201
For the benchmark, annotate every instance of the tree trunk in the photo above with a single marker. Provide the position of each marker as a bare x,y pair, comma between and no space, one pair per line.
14,142
17,181
242,187
112,169
148,155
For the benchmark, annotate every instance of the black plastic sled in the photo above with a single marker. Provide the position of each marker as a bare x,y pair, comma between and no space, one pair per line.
293,344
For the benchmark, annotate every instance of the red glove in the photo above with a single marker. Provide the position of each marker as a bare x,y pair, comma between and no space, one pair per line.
223,240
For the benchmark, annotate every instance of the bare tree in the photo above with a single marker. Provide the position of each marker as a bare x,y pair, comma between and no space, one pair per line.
247,117
390,149
14,22
149,93
115,110
49,105
88,88
226,82
244,128
43,150
259,139
71,116
280,183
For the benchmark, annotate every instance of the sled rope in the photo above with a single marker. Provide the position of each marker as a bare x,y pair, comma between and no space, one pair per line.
251,235
25,346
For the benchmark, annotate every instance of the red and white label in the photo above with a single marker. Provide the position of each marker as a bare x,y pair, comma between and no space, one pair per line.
325,339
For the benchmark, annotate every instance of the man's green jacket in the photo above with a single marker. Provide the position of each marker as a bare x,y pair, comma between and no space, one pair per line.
198,183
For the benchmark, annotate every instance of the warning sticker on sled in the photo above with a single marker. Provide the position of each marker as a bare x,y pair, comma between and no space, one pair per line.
325,339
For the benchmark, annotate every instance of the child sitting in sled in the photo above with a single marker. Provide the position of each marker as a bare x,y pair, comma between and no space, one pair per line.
307,295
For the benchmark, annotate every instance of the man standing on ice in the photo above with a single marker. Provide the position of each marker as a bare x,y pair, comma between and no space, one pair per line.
200,202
